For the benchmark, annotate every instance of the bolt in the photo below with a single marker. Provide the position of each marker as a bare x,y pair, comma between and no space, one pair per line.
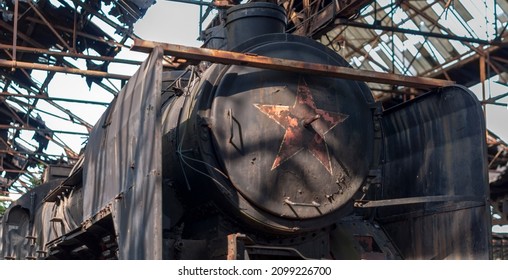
341,179
308,122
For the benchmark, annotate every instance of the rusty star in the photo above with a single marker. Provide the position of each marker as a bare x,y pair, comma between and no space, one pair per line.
306,127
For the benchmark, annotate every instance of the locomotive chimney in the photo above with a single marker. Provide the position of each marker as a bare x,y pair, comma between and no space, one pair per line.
253,19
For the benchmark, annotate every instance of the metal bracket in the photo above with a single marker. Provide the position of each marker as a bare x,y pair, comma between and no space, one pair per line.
291,203
236,246
416,200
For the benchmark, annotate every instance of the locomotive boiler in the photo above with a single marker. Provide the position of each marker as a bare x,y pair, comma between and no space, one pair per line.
278,147
240,162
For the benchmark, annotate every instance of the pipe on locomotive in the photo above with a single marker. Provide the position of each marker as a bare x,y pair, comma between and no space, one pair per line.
250,20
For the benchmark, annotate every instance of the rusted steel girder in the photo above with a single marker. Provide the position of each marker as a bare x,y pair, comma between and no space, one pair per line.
107,39
66,54
18,171
119,28
40,90
2,126
28,153
68,70
5,198
48,24
44,97
322,21
15,33
253,60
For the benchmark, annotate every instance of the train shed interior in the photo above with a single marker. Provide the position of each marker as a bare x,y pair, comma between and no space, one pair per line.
45,41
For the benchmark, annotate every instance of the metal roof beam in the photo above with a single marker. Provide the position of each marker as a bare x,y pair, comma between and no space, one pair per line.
250,60
73,55
410,16
48,24
2,126
44,97
413,32
68,70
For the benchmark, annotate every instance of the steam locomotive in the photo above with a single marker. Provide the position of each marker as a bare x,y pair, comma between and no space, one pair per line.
236,162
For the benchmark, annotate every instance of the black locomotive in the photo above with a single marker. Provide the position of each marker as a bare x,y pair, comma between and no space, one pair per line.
238,162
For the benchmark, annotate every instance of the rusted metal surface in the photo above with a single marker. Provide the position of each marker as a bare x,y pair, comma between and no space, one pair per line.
50,131
350,8
253,60
106,39
236,246
5,198
64,54
16,171
15,30
314,18
424,140
68,70
41,90
305,125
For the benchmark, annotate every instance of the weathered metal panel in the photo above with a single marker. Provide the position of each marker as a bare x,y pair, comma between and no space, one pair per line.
435,145
24,218
123,164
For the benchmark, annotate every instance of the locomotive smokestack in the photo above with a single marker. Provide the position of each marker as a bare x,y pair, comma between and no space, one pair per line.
250,20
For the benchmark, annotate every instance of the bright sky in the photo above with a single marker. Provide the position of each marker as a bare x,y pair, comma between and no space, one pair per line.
170,22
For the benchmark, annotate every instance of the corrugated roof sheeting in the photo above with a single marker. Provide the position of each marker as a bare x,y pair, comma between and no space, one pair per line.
503,5
421,54
462,11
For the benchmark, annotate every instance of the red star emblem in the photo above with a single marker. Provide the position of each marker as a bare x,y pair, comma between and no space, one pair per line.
306,127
